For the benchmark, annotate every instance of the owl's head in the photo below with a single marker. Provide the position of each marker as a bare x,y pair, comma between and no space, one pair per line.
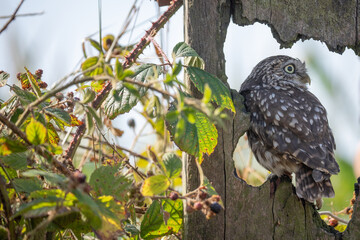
281,71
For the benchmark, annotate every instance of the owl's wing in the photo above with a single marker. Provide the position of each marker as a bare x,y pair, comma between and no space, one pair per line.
294,122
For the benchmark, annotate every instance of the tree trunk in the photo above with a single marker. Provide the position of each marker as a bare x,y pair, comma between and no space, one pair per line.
251,212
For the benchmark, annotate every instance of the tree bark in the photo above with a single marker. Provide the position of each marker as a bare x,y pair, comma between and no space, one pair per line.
336,23
206,22
252,212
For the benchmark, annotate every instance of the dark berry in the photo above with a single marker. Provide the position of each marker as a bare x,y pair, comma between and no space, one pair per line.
215,207
198,206
39,73
150,173
79,176
131,123
43,85
18,76
174,195
59,96
203,195
70,94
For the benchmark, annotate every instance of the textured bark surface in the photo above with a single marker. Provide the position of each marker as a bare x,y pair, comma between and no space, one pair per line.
251,212
205,30
335,22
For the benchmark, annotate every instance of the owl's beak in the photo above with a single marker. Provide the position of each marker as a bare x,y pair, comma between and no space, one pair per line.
305,79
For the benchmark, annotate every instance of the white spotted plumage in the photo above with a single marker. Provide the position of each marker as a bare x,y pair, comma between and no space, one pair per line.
290,131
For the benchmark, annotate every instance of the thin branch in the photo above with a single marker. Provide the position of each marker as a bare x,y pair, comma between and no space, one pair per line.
129,60
50,94
60,166
160,51
126,161
333,216
23,15
12,18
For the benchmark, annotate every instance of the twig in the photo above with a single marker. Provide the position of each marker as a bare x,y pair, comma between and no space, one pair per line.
12,17
333,216
61,167
132,11
137,136
126,161
160,51
129,60
52,93
23,15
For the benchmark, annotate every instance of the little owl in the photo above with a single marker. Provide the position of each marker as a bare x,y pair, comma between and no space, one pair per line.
289,131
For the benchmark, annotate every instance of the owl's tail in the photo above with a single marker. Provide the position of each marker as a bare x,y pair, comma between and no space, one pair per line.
312,184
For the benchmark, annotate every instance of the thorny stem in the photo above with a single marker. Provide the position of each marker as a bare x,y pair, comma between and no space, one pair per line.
127,63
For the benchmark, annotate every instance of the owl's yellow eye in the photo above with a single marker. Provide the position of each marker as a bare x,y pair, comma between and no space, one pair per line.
289,68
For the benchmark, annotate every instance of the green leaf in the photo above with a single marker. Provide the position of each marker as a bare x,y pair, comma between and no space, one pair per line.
89,208
131,229
119,71
27,185
52,178
173,165
122,100
177,68
93,113
24,96
8,146
155,185
95,44
36,208
33,82
210,189
59,114
207,94
153,224
182,49
52,135
195,139
89,123
90,63
105,180
220,93
132,89
17,161
191,58
3,78
88,96
194,62
35,132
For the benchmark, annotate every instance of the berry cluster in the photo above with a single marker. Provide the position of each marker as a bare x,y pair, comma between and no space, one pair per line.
25,81
201,201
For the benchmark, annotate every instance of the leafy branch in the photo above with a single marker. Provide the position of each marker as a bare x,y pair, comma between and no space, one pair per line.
131,58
